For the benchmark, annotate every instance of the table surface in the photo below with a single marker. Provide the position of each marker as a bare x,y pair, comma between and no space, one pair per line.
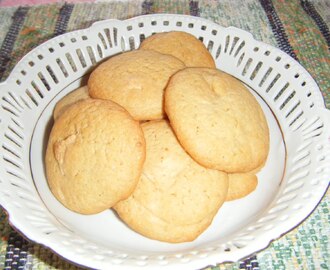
300,28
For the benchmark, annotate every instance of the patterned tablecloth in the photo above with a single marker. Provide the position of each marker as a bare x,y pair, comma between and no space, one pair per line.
300,28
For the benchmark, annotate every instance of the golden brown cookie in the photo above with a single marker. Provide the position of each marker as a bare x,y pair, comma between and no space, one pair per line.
241,185
94,156
136,80
173,188
217,120
182,45
74,96
141,220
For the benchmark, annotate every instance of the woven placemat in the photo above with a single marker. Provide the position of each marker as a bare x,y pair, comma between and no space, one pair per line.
300,28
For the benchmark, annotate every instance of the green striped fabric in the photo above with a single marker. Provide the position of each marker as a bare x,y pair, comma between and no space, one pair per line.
307,42
298,27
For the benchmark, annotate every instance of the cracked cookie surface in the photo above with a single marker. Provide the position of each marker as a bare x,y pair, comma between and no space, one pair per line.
217,120
184,46
94,156
136,80
176,198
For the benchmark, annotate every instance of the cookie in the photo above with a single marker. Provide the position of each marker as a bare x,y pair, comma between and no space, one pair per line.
141,220
217,120
94,156
173,188
182,45
136,80
241,185
74,96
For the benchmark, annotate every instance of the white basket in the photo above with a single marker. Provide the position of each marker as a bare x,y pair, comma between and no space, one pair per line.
295,177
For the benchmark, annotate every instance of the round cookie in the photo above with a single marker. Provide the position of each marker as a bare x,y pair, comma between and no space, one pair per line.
136,80
241,185
217,120
74,96
151,226
94,156
182,45
173,187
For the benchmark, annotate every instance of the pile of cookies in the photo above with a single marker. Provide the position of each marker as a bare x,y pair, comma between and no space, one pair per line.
159,135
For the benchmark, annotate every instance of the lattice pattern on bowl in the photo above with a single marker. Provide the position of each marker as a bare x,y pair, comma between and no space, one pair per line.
57,66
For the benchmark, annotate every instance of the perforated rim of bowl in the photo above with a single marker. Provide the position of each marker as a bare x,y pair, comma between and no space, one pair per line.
284,84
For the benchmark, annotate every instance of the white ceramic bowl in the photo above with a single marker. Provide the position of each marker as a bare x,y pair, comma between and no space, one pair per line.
291,184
